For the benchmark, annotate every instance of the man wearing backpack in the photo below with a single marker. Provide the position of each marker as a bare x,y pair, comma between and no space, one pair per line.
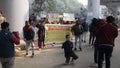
77,30
28,34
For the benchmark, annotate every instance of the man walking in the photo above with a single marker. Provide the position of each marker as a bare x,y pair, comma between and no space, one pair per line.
106,35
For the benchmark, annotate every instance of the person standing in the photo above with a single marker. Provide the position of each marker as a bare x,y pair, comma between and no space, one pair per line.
92,30
29,34
85,29
7,49
77,31
2,19
106,35
41,34
99,23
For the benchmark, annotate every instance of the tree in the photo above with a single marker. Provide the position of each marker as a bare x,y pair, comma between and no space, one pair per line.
59,6
43,5
71,6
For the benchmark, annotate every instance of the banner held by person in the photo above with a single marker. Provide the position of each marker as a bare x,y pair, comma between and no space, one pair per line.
56,32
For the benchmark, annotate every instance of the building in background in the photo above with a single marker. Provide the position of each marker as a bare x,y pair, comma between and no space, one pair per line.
103,11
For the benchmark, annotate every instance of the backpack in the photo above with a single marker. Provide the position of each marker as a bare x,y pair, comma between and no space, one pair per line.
28,32
77,30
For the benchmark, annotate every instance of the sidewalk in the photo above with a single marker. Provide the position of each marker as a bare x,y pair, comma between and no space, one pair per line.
20,49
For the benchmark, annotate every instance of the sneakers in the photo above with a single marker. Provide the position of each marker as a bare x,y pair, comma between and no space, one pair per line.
72,60
94,65
75,49
40,49
80,48
103,62
26,54
32,55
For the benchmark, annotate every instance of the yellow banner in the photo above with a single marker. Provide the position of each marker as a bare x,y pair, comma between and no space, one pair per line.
56,32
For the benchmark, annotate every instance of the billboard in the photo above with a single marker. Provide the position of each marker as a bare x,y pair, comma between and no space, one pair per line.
57,32
68,17
53,17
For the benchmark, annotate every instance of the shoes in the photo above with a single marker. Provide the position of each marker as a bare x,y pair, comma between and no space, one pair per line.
72,60
66,62
75,49
32,55
80,48
44,46
39,49
94,65
103,62
26,54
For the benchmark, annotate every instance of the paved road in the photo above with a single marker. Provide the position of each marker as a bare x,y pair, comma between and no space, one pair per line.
53,57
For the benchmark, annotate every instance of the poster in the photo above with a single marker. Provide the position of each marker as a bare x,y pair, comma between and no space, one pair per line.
68,17
56,32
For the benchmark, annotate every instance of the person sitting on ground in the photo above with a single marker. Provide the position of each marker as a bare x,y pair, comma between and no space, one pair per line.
67,46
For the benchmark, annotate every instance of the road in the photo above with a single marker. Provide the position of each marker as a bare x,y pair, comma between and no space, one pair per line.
53,57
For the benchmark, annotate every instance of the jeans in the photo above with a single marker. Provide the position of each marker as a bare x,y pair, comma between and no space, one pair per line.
7,62
95,54
92,38
107,51
80,41
28,42
84,36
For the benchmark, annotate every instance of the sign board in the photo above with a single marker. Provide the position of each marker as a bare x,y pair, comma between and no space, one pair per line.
68,17
57,32
53,17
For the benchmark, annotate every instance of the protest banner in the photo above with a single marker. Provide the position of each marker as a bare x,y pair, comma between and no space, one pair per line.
56,32
68,17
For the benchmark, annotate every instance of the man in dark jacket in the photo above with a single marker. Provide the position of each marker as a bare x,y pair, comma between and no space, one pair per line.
28,34
67,46
106,35
7,50
77,31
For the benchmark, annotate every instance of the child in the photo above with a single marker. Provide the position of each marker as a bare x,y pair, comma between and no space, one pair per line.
67,46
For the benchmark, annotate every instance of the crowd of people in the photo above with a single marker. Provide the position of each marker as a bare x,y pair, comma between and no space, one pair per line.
102,36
